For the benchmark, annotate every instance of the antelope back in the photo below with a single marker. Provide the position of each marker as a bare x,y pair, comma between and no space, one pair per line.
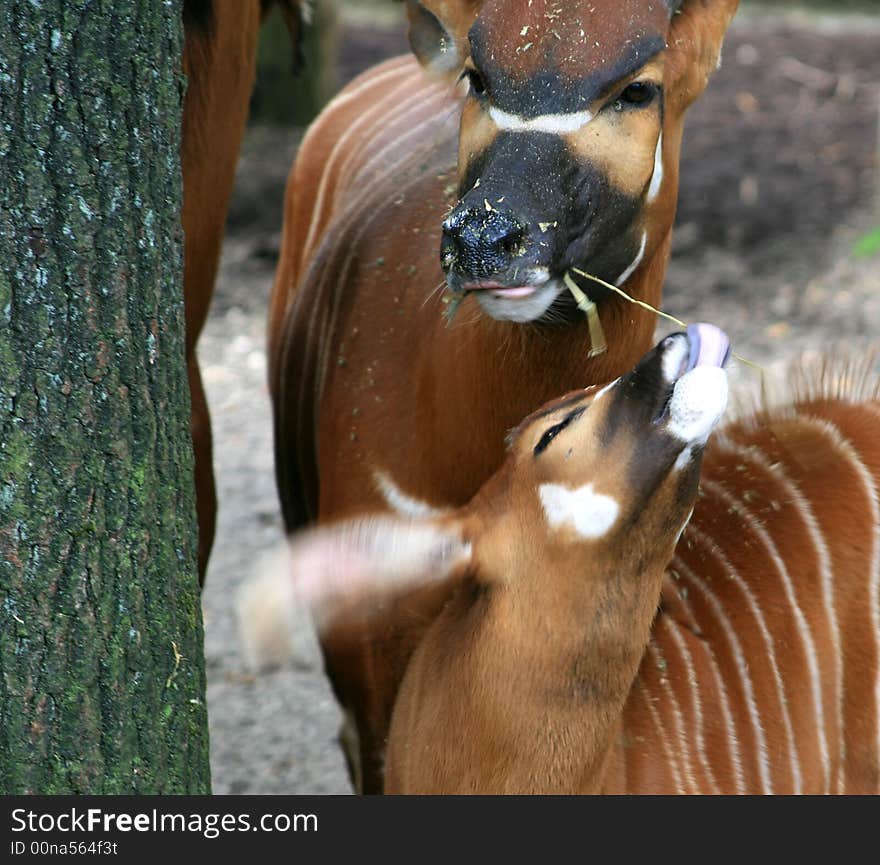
376,133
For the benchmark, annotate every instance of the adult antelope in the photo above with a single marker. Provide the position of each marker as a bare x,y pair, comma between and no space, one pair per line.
616,624
562,153
219,61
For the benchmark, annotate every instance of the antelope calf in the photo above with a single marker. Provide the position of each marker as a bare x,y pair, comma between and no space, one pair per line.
557,150
616,624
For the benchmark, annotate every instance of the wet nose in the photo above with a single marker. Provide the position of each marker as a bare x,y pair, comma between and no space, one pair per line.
480,243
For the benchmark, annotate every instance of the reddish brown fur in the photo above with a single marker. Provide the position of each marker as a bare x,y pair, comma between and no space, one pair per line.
220,65
567,35
489,705
357,340
576,653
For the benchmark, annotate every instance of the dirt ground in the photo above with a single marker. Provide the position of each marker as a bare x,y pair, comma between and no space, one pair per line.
779,182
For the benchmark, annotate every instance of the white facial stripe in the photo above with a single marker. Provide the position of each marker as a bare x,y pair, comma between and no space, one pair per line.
553,124
600,393
638,260
697,403
589,513
657,177
399,501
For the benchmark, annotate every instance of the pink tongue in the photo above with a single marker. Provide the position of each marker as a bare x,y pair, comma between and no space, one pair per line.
522,291
709,346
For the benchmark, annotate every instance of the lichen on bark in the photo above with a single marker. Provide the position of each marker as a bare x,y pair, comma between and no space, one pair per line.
101,672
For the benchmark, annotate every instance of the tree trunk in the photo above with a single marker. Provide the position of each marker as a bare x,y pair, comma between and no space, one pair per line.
102,686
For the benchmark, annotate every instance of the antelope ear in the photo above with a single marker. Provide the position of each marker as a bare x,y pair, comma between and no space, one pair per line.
438,35
345,572
696,34
296,16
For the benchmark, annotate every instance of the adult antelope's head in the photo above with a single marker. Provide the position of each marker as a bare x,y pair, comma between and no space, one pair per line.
570,135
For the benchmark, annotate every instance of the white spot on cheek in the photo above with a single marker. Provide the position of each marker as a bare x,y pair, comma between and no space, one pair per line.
399,501
657,177
589,513
553,124
638,260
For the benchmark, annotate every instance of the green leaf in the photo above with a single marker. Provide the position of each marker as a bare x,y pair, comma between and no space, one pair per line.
868,244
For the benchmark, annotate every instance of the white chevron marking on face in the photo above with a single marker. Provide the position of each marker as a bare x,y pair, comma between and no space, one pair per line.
552,124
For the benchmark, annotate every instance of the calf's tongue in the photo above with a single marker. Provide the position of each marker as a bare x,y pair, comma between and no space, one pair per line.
709,346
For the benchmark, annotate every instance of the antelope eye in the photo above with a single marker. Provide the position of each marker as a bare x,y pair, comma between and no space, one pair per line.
638,94
475,80
554,431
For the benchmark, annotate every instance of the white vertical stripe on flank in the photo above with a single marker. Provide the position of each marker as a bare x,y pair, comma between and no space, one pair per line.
803,628
661,736
733,743
343,139
742,665
795,497
694,690
678,719
319,307
352,213
864,473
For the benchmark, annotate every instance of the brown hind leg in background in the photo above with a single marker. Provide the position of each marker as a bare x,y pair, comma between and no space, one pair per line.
219,61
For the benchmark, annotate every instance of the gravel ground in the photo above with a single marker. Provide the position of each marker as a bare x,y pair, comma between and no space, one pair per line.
779,173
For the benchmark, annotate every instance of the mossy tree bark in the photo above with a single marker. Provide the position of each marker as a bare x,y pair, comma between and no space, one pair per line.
101,670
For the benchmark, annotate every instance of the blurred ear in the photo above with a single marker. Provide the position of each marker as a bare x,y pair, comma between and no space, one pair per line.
343,573
438,32
696,35
296,15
